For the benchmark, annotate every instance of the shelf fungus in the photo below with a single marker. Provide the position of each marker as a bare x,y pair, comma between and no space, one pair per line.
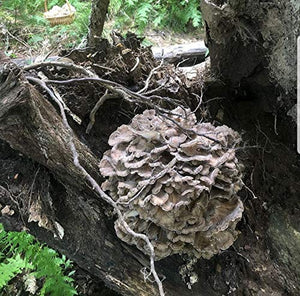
176,181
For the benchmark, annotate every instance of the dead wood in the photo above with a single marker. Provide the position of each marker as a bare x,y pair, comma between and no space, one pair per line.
183,54
31,125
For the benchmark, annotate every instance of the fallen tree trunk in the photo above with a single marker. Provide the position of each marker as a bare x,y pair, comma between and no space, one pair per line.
186,54
30,124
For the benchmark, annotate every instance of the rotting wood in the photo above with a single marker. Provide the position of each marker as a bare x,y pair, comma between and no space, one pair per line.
186,54
31,125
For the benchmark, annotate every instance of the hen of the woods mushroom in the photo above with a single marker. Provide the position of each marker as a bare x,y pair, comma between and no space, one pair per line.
174,185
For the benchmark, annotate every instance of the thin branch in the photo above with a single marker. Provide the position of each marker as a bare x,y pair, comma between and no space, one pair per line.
149,78
63,65
104,67
275,125
122,91
200,99
17,39
32,185
96,186
114,87
103,98
190,131
136,64
104,82
149,92
69,112
166,169
253,195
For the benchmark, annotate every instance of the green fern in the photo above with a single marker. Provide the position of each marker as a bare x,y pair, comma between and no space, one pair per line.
20,252
11,268
27,15
172,14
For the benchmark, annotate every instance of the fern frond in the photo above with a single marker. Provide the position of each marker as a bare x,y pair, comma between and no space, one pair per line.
20,252
11,268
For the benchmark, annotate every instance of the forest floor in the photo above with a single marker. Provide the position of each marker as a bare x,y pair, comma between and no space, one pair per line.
248,267
164,38
16,44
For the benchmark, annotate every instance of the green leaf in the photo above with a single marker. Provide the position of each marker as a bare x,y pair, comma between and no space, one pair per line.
11,268
19,251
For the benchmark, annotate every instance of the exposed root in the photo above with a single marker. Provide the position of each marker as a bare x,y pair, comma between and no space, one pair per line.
105,97
96,186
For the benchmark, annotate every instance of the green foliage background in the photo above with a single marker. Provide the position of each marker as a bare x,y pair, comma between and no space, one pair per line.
24,18
21,254
172,14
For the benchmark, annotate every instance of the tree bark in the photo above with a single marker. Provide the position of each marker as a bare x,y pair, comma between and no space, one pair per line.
32,126
252,45
97,20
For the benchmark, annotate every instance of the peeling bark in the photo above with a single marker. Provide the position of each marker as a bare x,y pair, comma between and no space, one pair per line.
97,20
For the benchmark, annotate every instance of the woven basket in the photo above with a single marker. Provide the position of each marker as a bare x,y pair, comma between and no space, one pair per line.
60,20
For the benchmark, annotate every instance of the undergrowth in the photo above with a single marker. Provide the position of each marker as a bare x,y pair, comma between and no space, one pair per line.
139,14
41,269
24,19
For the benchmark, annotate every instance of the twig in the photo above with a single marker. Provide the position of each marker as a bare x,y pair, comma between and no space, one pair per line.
135,97
149,92
149,78
96,186
32,185
136,64
114,87
43,77
105,97
181,62
63,65
17,39
74,116
48,54
92,77
104,67
122,91
200,98
275,125
254,196
166,169
214,99
189,131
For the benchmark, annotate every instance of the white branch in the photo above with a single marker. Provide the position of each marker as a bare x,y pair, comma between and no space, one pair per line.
96,186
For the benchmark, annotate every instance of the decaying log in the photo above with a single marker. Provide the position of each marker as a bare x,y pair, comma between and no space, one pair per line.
186,54
31,125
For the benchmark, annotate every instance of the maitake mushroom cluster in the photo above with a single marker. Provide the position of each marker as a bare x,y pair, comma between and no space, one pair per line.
176,181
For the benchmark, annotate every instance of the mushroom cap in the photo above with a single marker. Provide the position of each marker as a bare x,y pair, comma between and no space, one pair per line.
180,189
